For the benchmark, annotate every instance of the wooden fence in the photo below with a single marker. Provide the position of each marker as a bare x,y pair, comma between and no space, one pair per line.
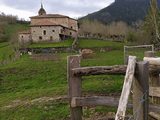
140,87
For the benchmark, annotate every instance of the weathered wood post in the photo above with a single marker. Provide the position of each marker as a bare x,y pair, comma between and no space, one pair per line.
154,78
141,91
120,115
75,86
149,54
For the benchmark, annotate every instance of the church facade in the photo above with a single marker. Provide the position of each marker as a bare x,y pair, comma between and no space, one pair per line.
49,28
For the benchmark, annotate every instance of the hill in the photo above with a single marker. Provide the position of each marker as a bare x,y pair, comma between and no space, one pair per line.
128,11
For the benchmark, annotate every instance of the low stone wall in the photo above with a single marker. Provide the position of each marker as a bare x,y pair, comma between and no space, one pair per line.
63,50
47,50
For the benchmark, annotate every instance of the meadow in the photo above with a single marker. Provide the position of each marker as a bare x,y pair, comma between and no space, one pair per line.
65,43
28,79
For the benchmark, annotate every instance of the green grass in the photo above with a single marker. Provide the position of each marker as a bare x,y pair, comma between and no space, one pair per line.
102,59
27,79
4,44
42,78
87,43
6,51
51,111
66,43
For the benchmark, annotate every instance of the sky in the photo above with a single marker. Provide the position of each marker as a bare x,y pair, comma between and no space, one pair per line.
73,8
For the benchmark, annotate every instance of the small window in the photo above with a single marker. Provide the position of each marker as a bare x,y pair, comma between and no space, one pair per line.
53,30
70,33
40,37
71,27
40,26
44,32
62,30
51,38
22,36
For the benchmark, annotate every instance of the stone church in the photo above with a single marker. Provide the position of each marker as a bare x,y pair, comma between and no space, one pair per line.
49,28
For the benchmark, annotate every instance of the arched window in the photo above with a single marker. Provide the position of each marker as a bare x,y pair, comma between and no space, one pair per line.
44,32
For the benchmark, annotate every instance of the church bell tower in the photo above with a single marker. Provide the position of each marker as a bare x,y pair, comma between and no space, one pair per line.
41,10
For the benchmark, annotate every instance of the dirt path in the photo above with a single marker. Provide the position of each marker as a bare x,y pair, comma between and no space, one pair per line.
94,116
17,103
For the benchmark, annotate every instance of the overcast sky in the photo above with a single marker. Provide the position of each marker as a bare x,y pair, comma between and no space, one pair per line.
72,8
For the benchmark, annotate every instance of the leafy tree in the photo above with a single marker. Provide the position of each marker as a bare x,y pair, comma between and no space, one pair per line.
152,24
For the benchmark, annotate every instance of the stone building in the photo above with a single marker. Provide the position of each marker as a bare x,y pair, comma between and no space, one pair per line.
49,28
24,36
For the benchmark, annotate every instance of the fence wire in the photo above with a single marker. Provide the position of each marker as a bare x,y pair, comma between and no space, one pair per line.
135,116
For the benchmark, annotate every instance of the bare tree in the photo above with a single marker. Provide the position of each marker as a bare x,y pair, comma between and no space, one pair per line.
97,29
151,24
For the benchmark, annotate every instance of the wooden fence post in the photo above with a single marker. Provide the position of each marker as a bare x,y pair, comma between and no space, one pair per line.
120,115
154,79
75,86
141,91
149,54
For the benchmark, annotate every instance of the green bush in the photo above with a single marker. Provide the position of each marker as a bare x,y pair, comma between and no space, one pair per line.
131,37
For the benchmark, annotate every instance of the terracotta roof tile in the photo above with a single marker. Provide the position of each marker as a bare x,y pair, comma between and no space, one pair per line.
44,23
51,16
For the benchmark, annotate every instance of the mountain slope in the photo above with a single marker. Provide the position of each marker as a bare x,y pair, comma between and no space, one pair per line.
128,11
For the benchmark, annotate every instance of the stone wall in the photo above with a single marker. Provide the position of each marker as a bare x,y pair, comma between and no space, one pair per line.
52,33
73,24
46,50
24,38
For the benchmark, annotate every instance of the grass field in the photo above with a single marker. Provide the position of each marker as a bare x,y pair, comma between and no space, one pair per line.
89,43
28,79
6,51
66,43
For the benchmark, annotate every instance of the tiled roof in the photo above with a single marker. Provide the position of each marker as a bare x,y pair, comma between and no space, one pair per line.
48,15
48,23
51,16
45,23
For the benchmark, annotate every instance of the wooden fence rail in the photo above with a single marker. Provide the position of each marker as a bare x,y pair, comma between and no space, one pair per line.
100,70
75,72
104,101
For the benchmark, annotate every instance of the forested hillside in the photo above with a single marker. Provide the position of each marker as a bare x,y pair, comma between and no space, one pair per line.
129,11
